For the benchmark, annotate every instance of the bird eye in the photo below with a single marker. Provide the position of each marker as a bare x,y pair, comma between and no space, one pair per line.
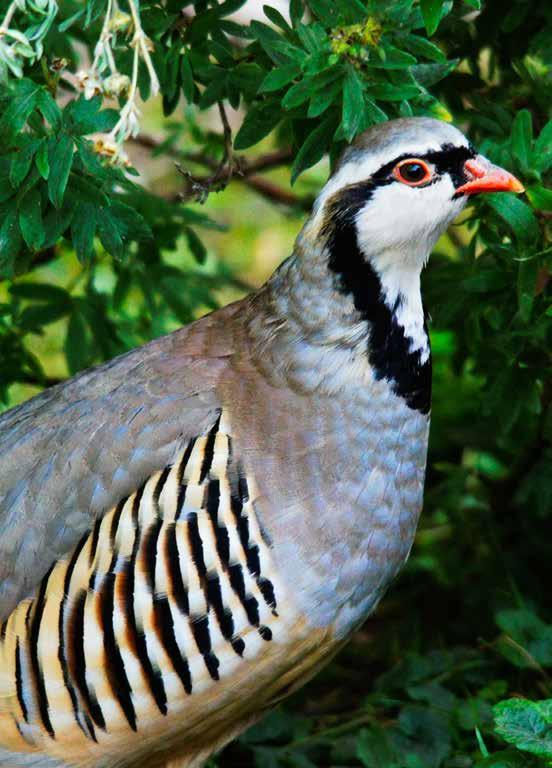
414,172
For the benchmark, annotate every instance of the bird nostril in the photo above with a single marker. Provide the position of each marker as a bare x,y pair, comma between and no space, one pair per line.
474,170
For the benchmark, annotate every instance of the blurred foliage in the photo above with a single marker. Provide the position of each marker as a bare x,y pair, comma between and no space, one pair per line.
454,669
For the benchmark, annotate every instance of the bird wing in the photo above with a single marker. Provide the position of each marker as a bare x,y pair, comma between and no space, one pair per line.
74,451
165,631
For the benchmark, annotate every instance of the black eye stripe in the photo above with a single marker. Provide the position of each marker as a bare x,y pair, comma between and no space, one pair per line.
448,159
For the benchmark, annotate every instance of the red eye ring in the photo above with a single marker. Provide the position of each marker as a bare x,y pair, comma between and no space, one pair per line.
413,171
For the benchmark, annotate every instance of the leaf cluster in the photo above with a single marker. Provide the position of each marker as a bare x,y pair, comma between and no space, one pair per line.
454,670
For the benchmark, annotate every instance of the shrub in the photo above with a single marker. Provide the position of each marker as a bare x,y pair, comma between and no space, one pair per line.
454,669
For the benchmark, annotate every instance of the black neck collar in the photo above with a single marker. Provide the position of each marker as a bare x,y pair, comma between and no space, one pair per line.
388,346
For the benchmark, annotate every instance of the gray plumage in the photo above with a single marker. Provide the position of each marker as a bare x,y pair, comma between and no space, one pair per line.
326,435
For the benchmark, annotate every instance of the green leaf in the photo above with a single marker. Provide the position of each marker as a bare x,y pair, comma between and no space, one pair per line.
313,147
110,233
392,58
517,214
353,103
522,138
84,116
279,77
540,198
196,246
526,724
429,74
30,219
259,121
273,15
324,98
302,91
83,229
188,86
542,155
326,10
276,46
38,315
526,285
296,11
52,294
19,108
373,114
76,343
41,160
419,46
10,236
390,92
49,109
65,25
431,12
61,160
21,163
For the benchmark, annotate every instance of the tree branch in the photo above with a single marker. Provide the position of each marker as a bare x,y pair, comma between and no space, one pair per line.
247,171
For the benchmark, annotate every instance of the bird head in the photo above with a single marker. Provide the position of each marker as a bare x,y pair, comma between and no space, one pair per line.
401,183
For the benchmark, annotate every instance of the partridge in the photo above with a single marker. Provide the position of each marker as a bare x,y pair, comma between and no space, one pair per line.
188,532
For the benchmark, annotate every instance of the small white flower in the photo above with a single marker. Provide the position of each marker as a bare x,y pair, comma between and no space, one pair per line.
133,122
107,147
116,84
89,83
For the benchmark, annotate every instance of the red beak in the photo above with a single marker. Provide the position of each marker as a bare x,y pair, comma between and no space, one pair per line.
486,177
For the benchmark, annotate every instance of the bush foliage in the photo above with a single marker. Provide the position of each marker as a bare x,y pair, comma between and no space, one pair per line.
454,670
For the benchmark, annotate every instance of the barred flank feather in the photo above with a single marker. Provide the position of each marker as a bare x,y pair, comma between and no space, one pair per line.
166,596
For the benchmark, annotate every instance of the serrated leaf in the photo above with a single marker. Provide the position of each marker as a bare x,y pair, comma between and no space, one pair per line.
353,103
431,13
517,214
259,121
60,159
30,219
